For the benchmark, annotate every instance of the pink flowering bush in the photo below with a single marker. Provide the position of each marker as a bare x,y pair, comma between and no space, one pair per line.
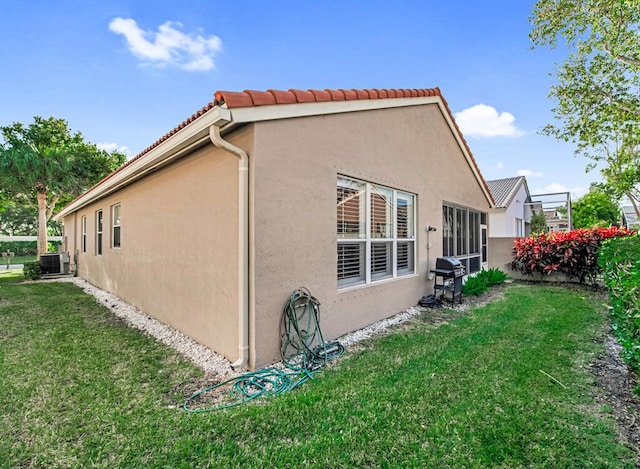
572,253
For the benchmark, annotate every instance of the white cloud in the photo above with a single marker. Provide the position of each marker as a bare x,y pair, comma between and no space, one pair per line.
529,173
485,121
169,45
111,146
557,187
499,165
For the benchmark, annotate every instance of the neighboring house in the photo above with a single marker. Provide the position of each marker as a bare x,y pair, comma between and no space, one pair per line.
556,208
511,216
211,228
629,217
556,219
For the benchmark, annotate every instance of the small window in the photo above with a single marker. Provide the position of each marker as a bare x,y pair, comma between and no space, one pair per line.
115,226
518,227
83,228
99,233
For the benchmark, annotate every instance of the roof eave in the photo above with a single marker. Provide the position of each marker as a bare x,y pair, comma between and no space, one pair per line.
195,133
288,111
183,141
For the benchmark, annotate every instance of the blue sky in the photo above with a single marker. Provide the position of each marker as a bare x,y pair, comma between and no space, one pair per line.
126,72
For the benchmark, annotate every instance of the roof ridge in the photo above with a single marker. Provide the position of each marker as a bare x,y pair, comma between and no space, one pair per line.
249,98
252,98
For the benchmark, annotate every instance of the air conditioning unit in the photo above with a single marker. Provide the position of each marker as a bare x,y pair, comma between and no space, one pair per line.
54,263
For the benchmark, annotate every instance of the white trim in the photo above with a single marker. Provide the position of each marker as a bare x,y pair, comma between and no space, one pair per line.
358,286
367,233
289,111
114,226
99,223
368,241
196,133
4,238
181,142
83,234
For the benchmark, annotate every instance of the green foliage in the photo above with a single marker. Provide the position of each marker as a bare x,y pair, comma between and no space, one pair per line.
20,248
539,223
595,209
26,248
474,286
31,270
572,253
494,276
17,220
620,262
598,85
467,394
45,162
480,283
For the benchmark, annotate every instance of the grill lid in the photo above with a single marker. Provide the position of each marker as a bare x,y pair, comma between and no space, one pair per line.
448,263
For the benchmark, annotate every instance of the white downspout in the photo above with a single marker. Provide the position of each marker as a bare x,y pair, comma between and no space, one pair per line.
243,243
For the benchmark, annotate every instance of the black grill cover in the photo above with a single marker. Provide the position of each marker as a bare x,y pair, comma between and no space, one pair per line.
448,263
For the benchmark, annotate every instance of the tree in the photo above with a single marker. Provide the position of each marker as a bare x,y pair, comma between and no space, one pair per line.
45,162
539,223
596,209
598,85
17,220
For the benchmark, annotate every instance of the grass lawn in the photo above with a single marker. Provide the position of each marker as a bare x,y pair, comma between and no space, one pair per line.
16,260
79,389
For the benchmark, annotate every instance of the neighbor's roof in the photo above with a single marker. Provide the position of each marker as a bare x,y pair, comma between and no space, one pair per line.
504,190
375,98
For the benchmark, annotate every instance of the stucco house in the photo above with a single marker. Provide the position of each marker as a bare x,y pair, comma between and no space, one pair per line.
511,216
629,218
211,227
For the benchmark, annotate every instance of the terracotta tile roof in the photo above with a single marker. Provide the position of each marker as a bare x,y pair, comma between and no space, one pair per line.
250,98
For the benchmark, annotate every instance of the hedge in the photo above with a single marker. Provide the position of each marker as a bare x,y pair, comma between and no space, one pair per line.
620,262
572,253
26,248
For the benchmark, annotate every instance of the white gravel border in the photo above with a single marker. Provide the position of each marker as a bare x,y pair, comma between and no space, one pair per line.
203,357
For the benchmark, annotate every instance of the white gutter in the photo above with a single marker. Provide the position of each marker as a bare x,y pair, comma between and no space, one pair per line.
243,239
181,143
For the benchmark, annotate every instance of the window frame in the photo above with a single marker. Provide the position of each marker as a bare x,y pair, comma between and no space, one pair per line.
99,231
369,241
116,226
83,234
471,247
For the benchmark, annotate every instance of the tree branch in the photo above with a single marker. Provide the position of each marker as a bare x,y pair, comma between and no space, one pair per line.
620,57
52,206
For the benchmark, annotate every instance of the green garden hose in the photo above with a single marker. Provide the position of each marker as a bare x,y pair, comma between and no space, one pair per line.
303,351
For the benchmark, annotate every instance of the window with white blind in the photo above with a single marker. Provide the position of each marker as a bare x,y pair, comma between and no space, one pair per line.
375,232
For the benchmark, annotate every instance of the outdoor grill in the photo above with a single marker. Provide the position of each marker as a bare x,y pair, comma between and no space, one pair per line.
448,279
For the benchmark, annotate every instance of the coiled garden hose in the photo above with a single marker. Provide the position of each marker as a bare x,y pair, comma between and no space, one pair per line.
303,351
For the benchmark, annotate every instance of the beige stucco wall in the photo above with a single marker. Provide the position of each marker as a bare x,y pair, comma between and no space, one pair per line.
178,258
500,253
297,162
